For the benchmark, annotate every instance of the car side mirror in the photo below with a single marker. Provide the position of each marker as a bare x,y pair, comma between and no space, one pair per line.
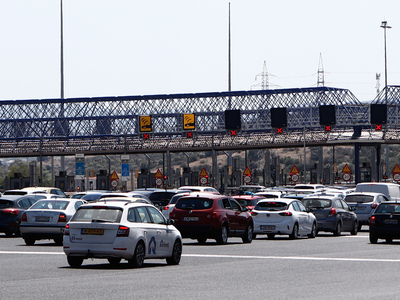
309,210
170,221
245,209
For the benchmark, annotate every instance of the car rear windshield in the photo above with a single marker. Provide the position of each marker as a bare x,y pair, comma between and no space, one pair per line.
248,202
271,206
194,203
359,199
50,204
98,214
6,204
19,193
388,208
317,203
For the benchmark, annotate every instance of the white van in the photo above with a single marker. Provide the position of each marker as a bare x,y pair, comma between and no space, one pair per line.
390,190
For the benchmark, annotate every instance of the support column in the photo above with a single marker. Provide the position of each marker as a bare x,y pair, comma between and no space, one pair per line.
356,163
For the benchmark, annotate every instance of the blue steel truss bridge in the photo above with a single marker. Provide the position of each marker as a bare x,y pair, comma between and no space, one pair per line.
110,125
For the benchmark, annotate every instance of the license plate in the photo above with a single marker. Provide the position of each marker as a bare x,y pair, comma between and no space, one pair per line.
267,227
360,207
42,219
190,219
92,231
390,221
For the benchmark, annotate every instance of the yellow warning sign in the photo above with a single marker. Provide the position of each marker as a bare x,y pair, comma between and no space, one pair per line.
295,170
247,172
396,169
346,169
114,176
145,123
189,122
203,172
158,174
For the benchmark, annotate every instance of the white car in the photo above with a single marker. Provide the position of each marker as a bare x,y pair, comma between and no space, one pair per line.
46,219
120,230
283,216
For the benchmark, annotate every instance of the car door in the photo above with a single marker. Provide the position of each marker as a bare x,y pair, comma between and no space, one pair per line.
239,218
164,242
308,218
301,217
149,231
229,214
349,215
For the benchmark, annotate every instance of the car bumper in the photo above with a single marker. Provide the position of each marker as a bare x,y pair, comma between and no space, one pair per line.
384,232
42,232
197,231
274,228
326,225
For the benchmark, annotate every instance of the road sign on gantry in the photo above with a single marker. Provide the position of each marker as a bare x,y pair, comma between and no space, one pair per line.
189,122
145,124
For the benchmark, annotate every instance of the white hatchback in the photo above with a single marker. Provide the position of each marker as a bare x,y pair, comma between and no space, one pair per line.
120,230
283,216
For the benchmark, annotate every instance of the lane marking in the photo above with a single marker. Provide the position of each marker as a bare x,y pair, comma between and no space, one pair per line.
240,256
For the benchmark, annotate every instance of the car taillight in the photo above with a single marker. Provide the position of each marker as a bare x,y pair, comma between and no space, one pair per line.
166,208
62,218
213,215
66,229
253,213
332,212
372,221
11,211
374,205
123,231
24,218
285,214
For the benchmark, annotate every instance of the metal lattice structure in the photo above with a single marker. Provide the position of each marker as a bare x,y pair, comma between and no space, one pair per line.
110,124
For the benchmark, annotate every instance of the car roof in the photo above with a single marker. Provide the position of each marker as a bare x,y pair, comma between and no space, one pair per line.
203,195
116,204
237,197
284,200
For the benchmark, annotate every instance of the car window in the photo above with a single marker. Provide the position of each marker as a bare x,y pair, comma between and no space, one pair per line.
388,208
338,204
271,206
235,205
25,203
301,206
50,204
156,215
144,216
359,198
78,204
97,214
6,204
226,204
295,206
194,203
345,205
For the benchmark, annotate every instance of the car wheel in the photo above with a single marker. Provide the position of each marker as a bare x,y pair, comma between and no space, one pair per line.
271,235
313,233
373,238
75,261
29,241
222,239
58,241
138,256
389,240
338,230
359,226
254,236
295,232
248,236
9,233
176,253
202,241
114,260
354,231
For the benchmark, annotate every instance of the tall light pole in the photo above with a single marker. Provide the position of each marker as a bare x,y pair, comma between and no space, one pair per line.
385,26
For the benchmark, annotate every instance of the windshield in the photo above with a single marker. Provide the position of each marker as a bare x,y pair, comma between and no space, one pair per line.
50,204
98,214
388,208
359,199
248,202
271,206
6,204
194,203
317,203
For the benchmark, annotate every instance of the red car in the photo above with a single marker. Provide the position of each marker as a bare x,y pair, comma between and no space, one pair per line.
212,216
248,201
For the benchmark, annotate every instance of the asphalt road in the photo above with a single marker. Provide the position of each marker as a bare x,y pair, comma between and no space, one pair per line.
327,267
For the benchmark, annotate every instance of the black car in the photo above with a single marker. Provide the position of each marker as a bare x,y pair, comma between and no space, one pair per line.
11,209
385,222
161,198
332,212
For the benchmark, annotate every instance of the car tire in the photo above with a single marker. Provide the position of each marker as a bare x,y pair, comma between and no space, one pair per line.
313,233
354,231
176,253
338,230
248,235
254,236
222,239
270,235
9,233
75,261
295,232
58,241
202,241
389,240
29,241
137,259
373,238
114,260
359,227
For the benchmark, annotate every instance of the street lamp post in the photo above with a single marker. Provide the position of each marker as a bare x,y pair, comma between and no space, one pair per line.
385,26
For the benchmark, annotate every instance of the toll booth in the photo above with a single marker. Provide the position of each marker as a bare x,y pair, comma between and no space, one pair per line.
18,182
64,182
189,178
146,179
102,180
365,172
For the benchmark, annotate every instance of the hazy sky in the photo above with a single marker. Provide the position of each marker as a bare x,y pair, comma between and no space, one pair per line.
129,47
